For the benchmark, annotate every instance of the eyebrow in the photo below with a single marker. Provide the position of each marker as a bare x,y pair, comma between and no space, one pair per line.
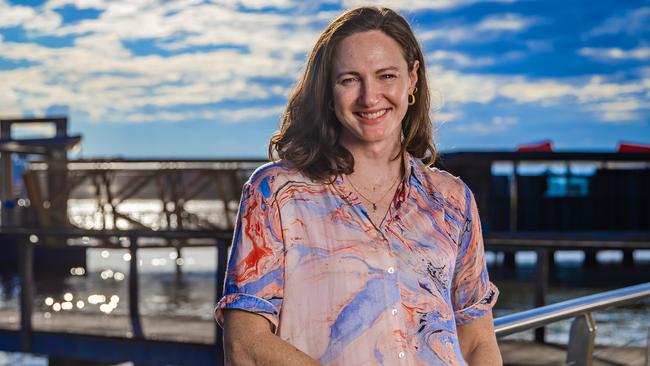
384,69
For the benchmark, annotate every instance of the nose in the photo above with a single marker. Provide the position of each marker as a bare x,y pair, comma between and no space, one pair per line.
369,94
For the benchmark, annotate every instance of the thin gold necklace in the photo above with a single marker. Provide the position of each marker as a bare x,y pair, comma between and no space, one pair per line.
374,205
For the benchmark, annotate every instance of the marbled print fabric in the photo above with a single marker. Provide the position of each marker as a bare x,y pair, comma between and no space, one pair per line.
306,256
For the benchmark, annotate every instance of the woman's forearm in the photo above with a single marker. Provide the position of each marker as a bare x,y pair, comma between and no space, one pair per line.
249,340
265,349
485,354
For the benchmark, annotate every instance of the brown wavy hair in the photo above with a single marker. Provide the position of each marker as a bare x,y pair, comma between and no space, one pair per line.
309,130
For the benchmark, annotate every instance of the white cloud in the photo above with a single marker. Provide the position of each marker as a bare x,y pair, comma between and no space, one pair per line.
101,78
259,4
616,54
414,5
250,114
586,94
441,118
11,16
486,29
632,22
31,19
621,110
79,4
457,58
506,22
459,87
496,124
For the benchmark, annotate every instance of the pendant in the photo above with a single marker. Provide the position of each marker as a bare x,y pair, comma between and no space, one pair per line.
374,207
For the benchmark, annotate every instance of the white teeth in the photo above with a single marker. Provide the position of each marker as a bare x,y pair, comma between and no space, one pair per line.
373,115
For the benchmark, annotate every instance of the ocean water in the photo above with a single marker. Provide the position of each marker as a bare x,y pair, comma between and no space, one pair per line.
101,289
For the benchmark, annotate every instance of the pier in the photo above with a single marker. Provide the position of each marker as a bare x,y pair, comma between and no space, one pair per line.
79,339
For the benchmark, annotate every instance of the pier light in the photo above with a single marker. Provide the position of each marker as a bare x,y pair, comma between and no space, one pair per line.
105,254
85,240
77,271
180,261
159,261
106,274
106,308
118,276
96,299
66,305
47,315
56,306
173,255
115,299
68,296
33,238
80,304
49,301
126,257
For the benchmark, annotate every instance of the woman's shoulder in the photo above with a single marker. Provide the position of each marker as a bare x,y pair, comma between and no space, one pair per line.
446,186
272,176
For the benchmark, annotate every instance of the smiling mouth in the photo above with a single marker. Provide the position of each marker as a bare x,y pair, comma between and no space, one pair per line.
373,115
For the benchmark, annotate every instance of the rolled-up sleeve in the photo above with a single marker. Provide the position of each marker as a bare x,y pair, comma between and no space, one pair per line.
255,272
473,295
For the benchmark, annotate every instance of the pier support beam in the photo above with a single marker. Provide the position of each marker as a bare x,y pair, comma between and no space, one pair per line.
222,261
509,260
26,268
628,257
134,298
590,258
541,287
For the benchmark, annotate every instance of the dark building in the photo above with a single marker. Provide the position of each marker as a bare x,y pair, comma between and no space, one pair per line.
557,191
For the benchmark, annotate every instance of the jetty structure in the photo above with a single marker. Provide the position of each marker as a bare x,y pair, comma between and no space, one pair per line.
56,208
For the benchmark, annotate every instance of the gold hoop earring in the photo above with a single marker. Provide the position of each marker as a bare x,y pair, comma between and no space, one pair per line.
412,98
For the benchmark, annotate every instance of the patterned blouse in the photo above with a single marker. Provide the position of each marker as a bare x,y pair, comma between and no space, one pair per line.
307,257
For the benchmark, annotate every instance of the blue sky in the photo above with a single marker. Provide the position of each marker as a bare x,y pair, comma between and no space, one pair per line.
191,78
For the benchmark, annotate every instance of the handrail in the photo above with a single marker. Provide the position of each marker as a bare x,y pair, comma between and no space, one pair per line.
538,317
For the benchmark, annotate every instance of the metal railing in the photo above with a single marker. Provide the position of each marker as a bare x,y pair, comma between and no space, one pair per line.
583,329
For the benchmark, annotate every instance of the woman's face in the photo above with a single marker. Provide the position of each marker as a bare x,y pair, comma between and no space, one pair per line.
371,87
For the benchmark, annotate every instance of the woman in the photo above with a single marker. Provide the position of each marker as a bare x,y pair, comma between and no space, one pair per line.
349,250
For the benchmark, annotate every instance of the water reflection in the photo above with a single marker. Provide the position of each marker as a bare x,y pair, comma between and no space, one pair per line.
102,287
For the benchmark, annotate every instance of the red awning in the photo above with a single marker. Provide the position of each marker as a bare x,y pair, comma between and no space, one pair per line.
632,147
545,146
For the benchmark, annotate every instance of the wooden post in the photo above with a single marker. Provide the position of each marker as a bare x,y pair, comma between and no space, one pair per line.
509,256
222,262
647,349
628,257
134,310
178,260
5,164
590,258
26,268
541,287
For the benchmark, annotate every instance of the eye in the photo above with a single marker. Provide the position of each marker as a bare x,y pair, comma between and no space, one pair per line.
347,81
388,76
